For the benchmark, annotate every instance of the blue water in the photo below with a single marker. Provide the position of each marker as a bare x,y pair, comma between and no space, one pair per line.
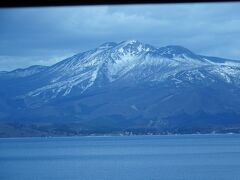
183,157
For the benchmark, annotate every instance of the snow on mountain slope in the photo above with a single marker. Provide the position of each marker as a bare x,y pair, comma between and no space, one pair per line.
82,70
132,61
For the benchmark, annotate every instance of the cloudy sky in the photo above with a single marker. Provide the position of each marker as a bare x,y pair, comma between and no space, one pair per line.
45,36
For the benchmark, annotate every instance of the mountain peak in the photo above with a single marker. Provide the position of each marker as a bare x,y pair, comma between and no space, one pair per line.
176,50
134,46
132,41
107,45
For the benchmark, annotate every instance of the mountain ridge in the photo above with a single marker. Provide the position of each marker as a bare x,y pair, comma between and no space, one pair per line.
121,58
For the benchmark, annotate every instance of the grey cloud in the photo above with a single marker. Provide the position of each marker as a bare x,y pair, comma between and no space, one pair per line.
32,33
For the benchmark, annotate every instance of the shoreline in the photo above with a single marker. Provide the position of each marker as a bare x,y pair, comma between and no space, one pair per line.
118,135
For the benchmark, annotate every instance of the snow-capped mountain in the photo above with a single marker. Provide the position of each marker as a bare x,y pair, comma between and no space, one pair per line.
130,61
109,61
127,85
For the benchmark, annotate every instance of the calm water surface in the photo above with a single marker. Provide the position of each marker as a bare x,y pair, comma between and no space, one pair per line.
183,157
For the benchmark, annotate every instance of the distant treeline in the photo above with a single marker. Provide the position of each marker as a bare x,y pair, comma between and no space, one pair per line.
15,129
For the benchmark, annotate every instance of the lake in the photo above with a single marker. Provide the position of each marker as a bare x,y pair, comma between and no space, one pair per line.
173,157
